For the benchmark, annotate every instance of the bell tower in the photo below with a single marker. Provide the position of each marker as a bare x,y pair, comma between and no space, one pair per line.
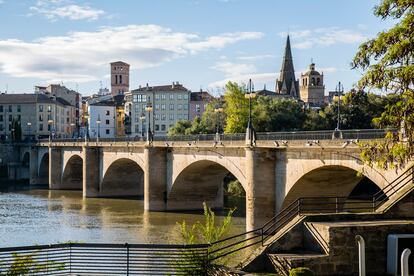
119,78
312,88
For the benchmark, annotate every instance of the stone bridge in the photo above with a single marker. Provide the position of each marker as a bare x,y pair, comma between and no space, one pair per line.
181,175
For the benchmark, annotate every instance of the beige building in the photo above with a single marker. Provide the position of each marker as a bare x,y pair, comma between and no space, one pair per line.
119,77
38,115
312,88
170,103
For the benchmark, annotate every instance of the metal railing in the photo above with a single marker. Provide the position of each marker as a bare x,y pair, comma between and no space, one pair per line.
104,259
265,136
311,206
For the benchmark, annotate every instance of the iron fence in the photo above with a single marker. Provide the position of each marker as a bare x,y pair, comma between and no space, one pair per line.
104,259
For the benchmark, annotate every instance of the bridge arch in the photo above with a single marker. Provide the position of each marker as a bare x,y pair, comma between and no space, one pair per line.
123,177
198,182
43,172
72,174
331,181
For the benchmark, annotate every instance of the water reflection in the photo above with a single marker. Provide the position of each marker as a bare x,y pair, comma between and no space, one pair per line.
43,217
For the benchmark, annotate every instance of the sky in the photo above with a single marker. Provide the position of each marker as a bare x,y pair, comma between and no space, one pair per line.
200,43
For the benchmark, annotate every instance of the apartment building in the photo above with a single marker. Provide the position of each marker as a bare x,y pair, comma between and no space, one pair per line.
198,103
170,103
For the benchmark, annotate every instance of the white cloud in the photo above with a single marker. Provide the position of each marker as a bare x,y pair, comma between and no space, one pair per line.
85,56
60,9
256,57
234,69
323,37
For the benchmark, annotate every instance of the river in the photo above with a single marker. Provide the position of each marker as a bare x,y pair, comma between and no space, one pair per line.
40,216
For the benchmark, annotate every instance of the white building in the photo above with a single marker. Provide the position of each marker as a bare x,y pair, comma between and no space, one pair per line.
101,119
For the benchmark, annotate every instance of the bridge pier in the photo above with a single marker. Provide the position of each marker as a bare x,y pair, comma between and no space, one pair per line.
55,168
260,186
155,179
90,171
33,166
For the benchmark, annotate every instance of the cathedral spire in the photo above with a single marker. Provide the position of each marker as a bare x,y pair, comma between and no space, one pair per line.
287,72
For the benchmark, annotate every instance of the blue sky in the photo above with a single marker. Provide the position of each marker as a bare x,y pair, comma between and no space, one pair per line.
201,43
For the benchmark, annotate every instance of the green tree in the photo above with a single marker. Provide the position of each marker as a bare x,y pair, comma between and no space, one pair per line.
180,128
236,108
315,120
389,66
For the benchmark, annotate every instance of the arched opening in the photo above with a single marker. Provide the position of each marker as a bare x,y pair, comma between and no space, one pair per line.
44,169
318,81
123,178
209,182
25,167
332,181
72,174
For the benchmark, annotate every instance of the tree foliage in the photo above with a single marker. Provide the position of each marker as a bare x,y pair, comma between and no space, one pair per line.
389,66
236,108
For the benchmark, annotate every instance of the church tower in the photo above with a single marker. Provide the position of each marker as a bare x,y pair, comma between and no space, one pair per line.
287,83
312,89
119,78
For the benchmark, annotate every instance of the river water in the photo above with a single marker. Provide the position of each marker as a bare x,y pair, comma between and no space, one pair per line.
41,216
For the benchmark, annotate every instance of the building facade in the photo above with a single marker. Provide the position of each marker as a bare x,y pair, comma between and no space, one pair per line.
198,103
119,77
101,120
170,103
38,116
312,88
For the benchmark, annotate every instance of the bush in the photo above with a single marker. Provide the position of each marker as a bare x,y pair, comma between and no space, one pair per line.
301,271
234,188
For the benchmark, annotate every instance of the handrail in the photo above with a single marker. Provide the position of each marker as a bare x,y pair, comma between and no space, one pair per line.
316,205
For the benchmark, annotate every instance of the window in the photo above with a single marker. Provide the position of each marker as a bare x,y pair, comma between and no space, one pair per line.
10,108
40,127
107,121
107,113
10,118
41,108
19,108
163,97
162,127
41,117
136,107
197,108
49,117
116,79
143,107
1,127
163,117
157,116
1,118
163,107
171,106
180,96
157,127
1,108
49,108
185,96
107,131
157,96
136,128
19,118
157,107
10,127
171,96
171,117
136,118
318,81
185,106
49,127
180,106
120,78
179,117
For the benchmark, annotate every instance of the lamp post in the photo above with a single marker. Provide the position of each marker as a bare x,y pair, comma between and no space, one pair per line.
339,90
250,132
29,129
72,129
50,124
98,122
142,118
86,117
218,110
148,108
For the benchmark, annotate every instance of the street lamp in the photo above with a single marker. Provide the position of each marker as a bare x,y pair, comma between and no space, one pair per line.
86,117
29,129
50,124
148,108
250,132
142,118
98,122
339,89
218,110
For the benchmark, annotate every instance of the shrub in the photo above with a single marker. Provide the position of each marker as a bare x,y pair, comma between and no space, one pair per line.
301,271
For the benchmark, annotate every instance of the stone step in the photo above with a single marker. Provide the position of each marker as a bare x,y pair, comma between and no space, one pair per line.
284,262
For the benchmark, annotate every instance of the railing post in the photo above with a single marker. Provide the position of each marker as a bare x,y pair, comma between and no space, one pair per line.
404,262
127,247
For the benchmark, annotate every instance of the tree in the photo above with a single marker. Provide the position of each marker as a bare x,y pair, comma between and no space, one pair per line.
389,66
179,128
236,108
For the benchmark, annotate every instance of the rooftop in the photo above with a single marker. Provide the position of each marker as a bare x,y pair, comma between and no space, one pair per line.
29,98
167,88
